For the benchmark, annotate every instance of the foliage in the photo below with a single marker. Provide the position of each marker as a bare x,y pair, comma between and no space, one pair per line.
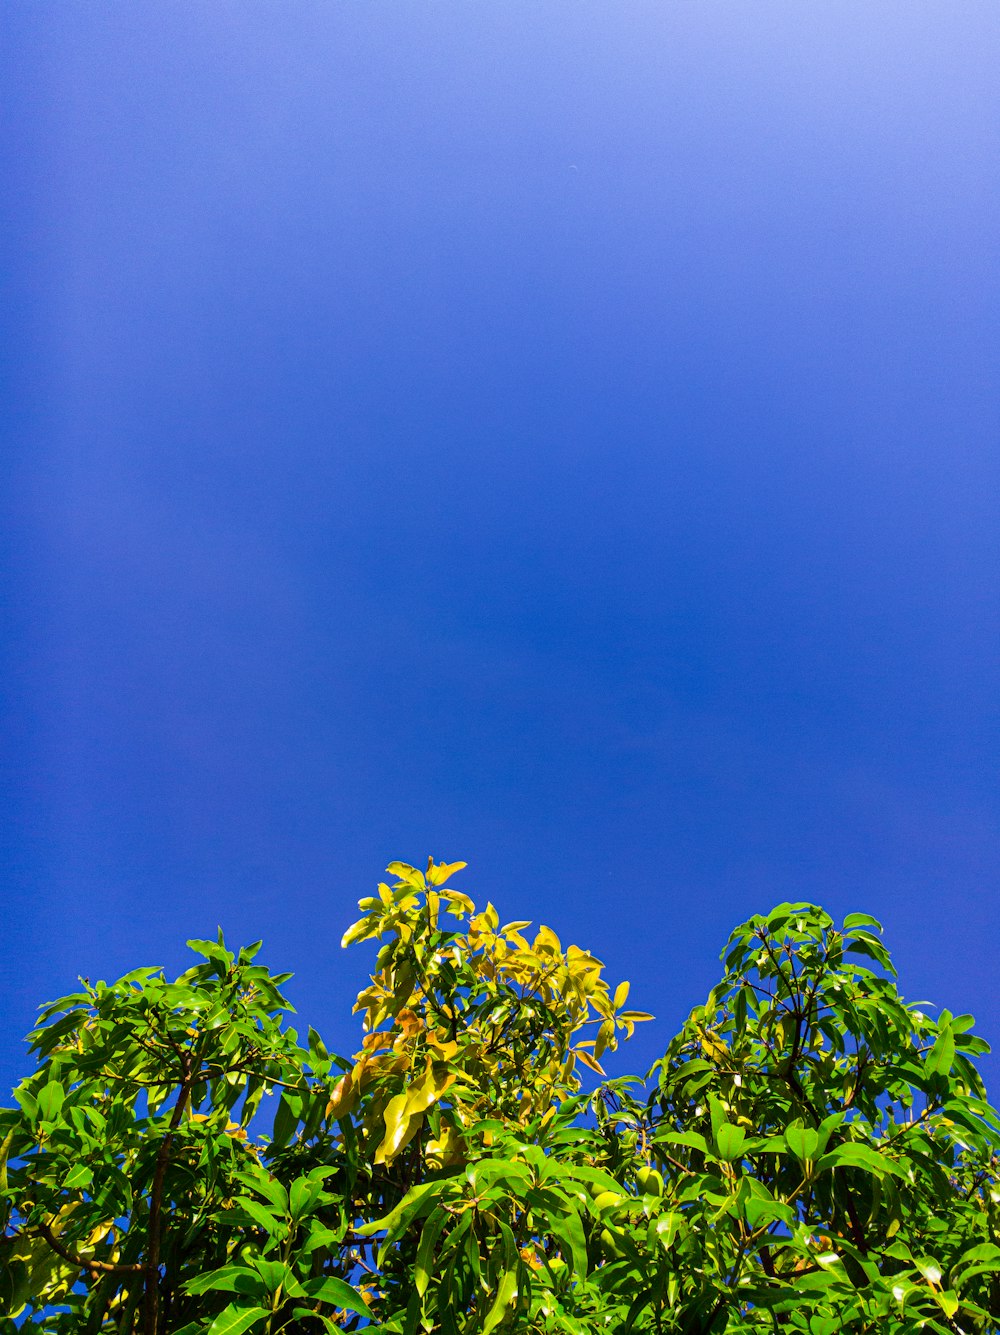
811,1154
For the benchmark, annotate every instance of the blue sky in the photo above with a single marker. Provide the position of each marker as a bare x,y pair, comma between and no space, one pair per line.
562,436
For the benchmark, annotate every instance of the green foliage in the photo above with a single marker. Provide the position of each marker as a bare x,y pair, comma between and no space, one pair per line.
811,1154
830,1147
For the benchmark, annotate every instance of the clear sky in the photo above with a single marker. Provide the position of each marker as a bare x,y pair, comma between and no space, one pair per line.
562,436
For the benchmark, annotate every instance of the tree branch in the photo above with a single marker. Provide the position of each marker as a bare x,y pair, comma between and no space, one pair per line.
96,1267
151,1300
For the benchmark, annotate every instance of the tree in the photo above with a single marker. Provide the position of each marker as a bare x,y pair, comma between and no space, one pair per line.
811,1154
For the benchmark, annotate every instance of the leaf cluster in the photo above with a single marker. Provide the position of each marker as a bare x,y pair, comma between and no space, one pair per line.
812,1153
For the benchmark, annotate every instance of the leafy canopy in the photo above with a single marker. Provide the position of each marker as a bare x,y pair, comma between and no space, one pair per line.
811,1154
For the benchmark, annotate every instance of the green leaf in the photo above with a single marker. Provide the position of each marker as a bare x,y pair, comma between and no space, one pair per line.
212,950
941,1056
405,1211
79,1177
235,1320
260,1214
729,1141
229,1279
336,1292
981,1260
717,1114
425,1251
862,920
929,1268
596,1177
759,1210
278,1275
859,1156
489,1171
568,1228
286,1119
666,1229
507,1288
692,1139
50,1100
303,1196
802,1141
265,1185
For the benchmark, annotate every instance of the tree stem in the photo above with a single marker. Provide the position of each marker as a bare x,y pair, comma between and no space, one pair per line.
151,1301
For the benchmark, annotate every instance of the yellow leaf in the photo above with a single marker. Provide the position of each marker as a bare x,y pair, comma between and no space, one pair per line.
583,958
445,1048
547,941
948,1302
358,931
399,1129
636,1017
447,1150
518,940
344,1098
514,927
621,995
373,1042
588,1060
404,1113
364,1073
407,874
529,1255
605,1038
436,1079
458,904
712,1048
438,873
409,1023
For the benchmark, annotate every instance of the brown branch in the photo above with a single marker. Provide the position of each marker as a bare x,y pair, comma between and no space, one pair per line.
267,1080
676,1163
856,1230
767,1263
183,1054
769,949
151,1300
97,1267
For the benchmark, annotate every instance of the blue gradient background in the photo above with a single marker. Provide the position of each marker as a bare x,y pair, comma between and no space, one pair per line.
562,436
